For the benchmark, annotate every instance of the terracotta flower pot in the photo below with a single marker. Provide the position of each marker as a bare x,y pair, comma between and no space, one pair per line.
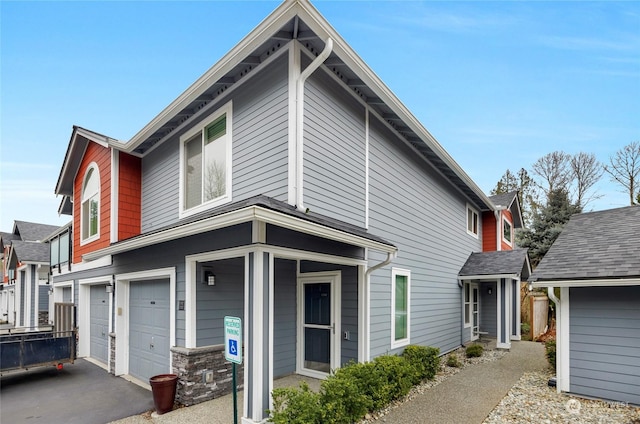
163,387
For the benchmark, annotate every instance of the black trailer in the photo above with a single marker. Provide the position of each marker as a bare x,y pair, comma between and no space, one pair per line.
31,349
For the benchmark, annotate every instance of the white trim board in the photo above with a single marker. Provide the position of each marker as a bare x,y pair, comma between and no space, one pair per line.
632,281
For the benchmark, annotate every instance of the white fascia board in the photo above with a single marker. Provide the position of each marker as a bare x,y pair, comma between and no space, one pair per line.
247,214
489,277
635,281
341,48
256,37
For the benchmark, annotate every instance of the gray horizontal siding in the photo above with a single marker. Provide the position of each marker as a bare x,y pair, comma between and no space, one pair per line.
260,149
604,326
413,207
213,303
489,308
260,134
334,151
285,317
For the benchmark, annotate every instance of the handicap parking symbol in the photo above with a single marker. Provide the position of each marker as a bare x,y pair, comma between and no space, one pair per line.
233,347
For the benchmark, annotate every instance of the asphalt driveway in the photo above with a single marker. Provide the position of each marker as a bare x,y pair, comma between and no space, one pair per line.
81,393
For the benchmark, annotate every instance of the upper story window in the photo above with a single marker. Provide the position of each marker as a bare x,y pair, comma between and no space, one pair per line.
205,160
400,311
472,221
90,213
507,231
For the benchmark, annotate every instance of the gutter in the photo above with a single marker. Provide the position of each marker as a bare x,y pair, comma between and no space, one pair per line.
328,47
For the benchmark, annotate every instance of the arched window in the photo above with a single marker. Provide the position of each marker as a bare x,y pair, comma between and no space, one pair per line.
90,204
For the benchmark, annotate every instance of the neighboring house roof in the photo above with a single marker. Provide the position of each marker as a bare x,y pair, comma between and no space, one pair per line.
7,238
59,231
293,19
29,251
31,231
496,263
509,201
595,246
206,220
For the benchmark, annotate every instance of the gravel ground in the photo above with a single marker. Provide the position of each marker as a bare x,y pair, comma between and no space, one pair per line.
444,373
531,400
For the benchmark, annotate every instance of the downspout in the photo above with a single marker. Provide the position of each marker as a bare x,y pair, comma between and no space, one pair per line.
328,47
367,281
498,235
555,300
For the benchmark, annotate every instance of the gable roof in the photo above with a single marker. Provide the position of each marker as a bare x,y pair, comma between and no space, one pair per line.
292,20
7,238
595,246
32,231
509,201
29,251
502,262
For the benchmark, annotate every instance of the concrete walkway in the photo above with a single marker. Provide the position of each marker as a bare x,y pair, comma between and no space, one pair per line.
470,395
466,397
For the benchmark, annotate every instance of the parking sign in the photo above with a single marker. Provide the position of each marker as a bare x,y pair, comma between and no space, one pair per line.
233,339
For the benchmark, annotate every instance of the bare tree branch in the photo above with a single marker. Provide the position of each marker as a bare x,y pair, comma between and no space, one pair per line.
586,172
624,168
554,169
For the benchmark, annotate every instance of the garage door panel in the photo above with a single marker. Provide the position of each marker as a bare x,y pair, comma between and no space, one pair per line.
149,329
99,323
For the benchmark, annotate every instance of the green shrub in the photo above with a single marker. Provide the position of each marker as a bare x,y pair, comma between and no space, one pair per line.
453,361
525,328
424,359
342,401
474,351
550,348
396,376
296,406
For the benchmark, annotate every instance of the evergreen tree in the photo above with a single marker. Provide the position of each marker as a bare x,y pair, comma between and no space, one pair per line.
547,225
527,193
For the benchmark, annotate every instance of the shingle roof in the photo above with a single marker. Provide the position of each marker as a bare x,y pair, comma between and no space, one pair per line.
7,238
31,251
31,231
497,263
595,245
505,199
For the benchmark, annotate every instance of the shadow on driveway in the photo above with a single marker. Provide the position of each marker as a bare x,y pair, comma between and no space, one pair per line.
81,393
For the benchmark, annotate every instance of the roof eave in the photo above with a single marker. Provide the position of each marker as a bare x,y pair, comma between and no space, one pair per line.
595,282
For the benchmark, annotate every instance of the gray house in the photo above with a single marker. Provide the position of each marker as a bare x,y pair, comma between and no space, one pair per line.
596,264
287,186
24,298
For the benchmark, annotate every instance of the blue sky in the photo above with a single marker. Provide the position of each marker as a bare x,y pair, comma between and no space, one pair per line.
499,84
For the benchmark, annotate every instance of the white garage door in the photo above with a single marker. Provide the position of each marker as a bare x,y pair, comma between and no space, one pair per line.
149,328
99,331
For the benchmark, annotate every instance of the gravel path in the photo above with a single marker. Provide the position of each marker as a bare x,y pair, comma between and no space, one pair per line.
530,400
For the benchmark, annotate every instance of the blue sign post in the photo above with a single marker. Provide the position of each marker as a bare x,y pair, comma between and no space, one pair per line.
233,354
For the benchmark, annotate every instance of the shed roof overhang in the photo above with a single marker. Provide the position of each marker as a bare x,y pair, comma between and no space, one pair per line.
293,20
259,208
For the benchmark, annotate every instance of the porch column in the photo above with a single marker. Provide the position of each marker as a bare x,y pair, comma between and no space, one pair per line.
504,314
258,336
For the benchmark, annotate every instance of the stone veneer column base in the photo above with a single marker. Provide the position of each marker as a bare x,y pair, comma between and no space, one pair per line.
191,365
112,354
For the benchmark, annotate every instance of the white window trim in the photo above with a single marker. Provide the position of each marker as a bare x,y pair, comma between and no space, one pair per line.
466,286
96,236
226,108
402,342
475,211
504,219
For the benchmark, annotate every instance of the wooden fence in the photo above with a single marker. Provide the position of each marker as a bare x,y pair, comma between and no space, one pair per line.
539,311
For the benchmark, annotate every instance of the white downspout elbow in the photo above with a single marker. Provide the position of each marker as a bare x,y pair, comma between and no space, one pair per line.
328,47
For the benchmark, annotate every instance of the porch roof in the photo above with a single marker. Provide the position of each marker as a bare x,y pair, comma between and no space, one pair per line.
257,208
29,251
501,263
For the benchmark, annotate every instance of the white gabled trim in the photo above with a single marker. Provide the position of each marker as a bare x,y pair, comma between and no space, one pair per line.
247,214
633,281
407,340
115,182
122,312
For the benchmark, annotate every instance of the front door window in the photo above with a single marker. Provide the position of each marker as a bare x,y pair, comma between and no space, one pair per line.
317,327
